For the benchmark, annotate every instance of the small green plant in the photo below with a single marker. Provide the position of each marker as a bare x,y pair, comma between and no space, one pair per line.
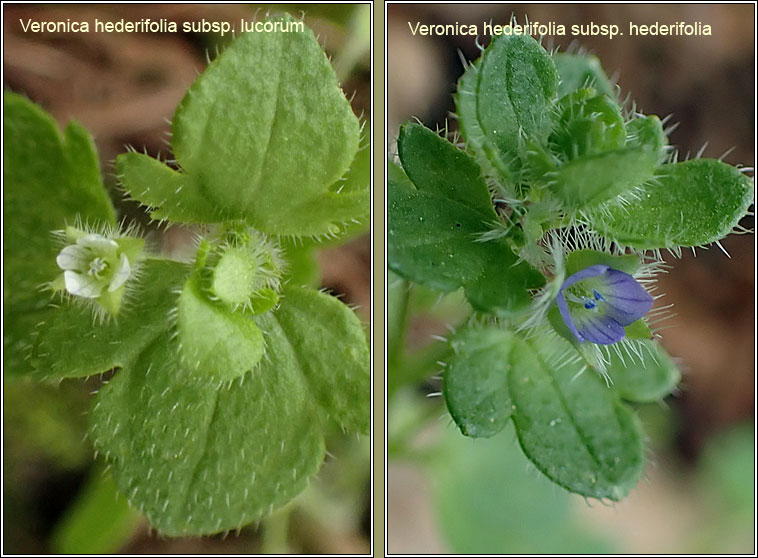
550,215
230,368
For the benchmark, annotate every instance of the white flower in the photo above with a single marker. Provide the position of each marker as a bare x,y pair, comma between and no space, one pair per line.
93,265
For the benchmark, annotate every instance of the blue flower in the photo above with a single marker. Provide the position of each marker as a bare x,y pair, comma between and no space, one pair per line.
598,301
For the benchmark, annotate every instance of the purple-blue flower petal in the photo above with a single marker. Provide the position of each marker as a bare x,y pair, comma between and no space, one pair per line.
566,315
587,272
597,328
624,299
619,300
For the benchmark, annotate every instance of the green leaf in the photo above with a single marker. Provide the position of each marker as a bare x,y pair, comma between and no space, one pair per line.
593,179
581,70
72,344
216,343
432,240
687,204
264,135
49,180
435,165
570,424
99,522
647,374
475,382
332,353
506,96
503,286
196,458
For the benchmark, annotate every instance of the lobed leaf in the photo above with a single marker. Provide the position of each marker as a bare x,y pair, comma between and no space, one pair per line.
71,344
263,135
432,240
198,458
475,383
332,354
435,165
49,180
687,204
570,425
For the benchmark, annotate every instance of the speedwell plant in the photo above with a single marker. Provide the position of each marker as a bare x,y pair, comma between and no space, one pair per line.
551,215
230,368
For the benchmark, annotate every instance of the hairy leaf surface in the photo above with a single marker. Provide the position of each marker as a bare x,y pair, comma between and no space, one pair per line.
50,179
264,135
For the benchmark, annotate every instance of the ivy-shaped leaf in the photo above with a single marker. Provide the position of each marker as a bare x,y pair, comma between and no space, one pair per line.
265,135
333,356
476,381
570,424
50,180
72,345
433,239
435,165
198,458
687,204
150,418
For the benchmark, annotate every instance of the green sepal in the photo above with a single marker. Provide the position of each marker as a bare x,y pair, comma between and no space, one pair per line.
215,342
687,204
262,301
648,132
646,374
581,70
581,259
638,330
587,124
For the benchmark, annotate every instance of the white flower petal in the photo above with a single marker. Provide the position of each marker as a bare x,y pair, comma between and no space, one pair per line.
121,275
83,285
73,258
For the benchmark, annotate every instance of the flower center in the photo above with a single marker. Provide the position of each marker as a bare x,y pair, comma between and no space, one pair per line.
97,267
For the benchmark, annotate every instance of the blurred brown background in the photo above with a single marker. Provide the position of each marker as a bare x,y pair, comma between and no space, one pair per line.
124,88
708,84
